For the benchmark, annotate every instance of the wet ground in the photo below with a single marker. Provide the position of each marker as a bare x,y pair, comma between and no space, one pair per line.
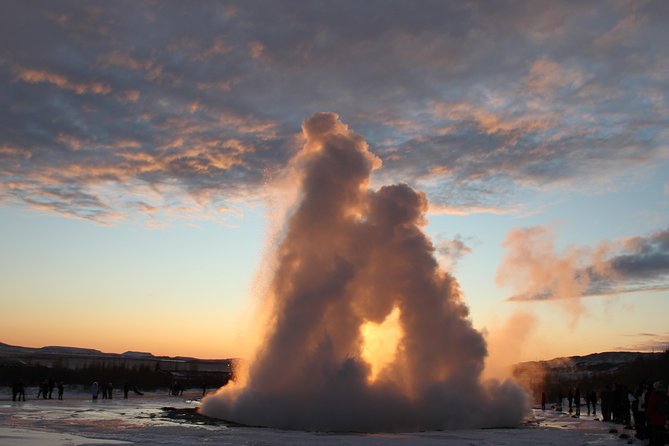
160,419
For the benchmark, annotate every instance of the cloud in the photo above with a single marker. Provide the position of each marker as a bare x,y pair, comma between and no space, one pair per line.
535,272
547,77
36,76
473,105
648,342
450,251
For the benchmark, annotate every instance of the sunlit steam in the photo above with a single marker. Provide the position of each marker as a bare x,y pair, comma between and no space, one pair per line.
380,342
352,264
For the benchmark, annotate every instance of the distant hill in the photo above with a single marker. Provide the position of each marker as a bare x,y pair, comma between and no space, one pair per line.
76,365
593,371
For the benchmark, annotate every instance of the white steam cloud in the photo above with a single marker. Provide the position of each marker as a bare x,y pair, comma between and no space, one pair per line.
351,256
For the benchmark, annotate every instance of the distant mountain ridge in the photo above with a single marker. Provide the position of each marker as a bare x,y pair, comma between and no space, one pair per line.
77,365
594,362
81,351
593,371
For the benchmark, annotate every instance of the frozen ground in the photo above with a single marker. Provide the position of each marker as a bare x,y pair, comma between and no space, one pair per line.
159,419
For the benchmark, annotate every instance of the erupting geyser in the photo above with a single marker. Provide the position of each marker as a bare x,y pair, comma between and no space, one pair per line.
350,257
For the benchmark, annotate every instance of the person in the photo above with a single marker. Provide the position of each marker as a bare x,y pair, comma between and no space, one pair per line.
204,389
633,403
640,422
61,389
606,408
110,388
126,389
52,385
94,390
655,411
543,400
625,407
15,390
593,401
577,401
587,400
559,401
22,391
43,389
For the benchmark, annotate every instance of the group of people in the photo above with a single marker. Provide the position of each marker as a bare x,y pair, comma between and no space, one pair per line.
44,390
647,406
105,389
18,391
177,389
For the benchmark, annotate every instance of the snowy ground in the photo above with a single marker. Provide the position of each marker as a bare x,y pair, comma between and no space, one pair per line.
159,419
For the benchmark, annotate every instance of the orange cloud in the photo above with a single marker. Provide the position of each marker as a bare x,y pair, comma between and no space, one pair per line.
37,76
547,76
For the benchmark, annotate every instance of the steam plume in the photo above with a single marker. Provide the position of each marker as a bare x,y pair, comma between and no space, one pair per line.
350,256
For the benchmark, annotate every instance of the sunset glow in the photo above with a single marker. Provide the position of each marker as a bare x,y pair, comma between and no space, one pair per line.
380,342
150,159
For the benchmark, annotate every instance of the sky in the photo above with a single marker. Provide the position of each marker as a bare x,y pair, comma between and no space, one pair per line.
144,153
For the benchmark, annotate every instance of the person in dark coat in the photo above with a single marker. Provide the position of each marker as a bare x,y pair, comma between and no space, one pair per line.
577,401
606,407
21,396
570,398
61,389
43,389
655,411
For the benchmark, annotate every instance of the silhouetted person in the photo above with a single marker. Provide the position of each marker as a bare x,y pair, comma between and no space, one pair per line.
593,401
43,389
587,400
655,411
52,385
110,389
61,389
616,403
606,405
577,401
15,390
559,402
570,399
126,389
21,396
543,400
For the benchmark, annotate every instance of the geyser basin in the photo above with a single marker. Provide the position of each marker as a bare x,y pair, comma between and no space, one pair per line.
351,256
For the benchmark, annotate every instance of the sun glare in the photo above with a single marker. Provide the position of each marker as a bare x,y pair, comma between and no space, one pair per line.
380,342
